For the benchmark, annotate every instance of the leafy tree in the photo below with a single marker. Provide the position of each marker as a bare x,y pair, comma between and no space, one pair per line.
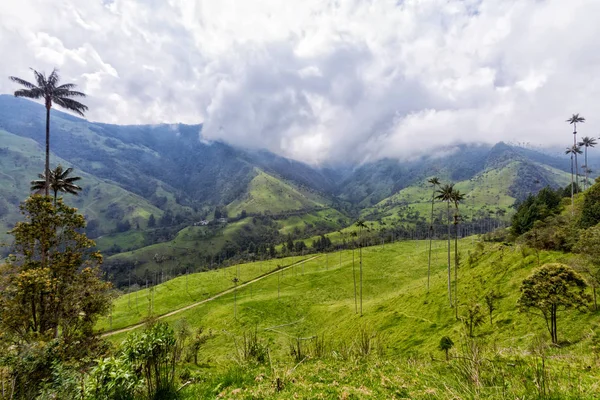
59,182
590,213
589,245
552,288
435,182
574,120
491,301
52,293
151,221
587,142
445,193
445,345
473,318
47,88
535,208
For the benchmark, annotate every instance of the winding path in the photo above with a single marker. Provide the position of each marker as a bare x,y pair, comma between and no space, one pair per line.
216,296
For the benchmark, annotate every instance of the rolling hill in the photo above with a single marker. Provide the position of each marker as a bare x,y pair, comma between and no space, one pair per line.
316,299
167,174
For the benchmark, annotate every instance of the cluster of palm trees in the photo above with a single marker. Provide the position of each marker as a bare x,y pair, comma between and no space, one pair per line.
451,196
48,89
574,150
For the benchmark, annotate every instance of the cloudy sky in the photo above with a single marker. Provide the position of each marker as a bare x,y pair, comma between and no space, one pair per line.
319,80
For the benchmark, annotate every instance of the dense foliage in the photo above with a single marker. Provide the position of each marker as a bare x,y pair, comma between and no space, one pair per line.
51,294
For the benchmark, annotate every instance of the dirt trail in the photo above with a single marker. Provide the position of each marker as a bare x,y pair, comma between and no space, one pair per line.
216,296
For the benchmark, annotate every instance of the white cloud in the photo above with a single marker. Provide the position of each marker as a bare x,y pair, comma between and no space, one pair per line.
322,80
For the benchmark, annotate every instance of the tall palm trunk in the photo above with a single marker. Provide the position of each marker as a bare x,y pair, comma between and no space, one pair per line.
456,263
361,273
572,187
354,277
586,170
430,239
47,173
449,268
575,145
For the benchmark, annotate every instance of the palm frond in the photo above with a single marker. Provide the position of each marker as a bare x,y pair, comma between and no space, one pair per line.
40,78
29,93
66,86
53,78
22,82
67,93
73,179
71,105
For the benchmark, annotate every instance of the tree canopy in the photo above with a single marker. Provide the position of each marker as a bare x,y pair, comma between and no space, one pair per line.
552,288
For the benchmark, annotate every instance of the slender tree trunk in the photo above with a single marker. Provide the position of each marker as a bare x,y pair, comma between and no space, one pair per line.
456,267
354,278
47,167
575,145
572,186
449,269
430,238
586,170
553,324
361,282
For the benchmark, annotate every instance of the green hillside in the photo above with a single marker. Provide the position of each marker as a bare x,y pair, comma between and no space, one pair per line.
102,202
266,193
492,189
317,299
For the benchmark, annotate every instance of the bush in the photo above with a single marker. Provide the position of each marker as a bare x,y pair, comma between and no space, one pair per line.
113,378
154,353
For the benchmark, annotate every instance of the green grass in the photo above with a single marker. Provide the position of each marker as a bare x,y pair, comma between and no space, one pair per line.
126,240
318,299
329,217
133,308
395,298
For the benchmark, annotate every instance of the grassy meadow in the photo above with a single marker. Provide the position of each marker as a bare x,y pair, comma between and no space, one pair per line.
314,304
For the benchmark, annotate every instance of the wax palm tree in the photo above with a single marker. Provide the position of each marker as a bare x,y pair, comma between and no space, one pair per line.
445,194
353,234
360,224
47,88
574,120
456,197
435,182
587,142
573,151
59,181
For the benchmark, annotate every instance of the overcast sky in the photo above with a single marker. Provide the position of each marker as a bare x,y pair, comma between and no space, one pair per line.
322,81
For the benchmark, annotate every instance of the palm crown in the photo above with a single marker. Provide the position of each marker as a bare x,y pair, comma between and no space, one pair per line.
434,181
573,150
59,181
588,142
576,119
445,193
46,88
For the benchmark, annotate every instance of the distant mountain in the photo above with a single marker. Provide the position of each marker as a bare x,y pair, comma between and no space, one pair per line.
132,173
